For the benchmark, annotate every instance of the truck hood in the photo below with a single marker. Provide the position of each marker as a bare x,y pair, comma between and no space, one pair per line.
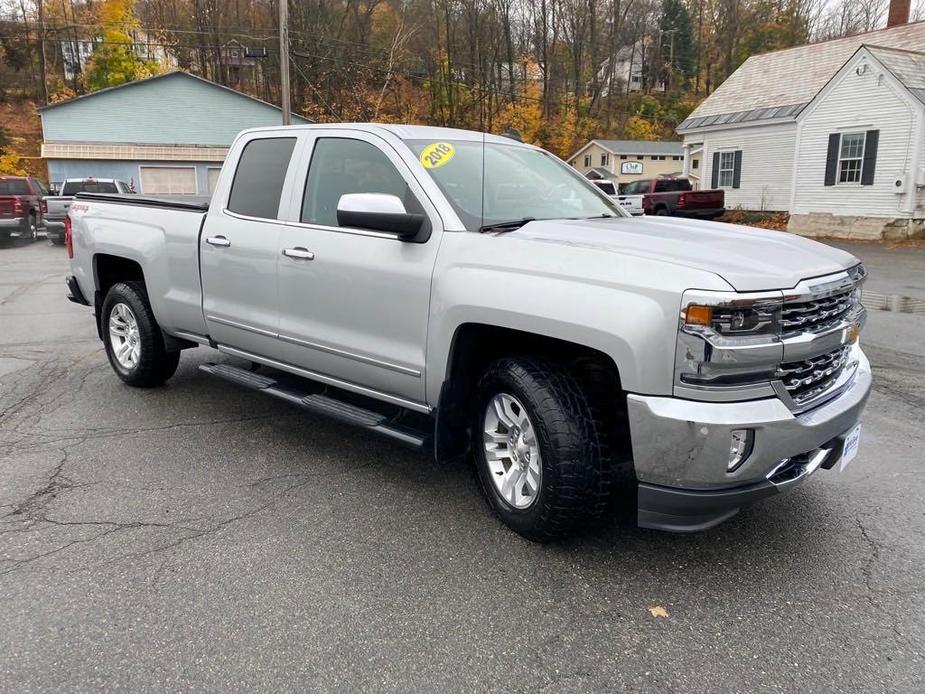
748,259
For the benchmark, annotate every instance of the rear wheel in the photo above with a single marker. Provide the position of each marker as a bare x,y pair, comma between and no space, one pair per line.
661,211
134,342
30,230
542,461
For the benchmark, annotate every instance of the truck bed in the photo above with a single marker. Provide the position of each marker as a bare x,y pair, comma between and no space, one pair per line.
161,235
195,203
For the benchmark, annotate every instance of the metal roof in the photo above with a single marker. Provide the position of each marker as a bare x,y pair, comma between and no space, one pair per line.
163,75
600,171
765,86
641,147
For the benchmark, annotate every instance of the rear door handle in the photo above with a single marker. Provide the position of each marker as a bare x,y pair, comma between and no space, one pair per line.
299,252
219,241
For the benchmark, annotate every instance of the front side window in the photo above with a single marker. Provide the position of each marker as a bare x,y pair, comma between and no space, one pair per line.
727,162
340,166
258,181
850,157
493,182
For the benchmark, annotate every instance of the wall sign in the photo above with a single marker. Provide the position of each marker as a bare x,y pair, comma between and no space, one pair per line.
631,167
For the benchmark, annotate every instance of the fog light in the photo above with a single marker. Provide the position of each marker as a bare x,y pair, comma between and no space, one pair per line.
740,447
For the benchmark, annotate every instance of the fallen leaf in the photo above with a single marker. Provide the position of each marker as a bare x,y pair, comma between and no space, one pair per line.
658,611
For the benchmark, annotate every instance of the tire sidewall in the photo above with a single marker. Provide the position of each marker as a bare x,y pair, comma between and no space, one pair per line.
494,382
116,296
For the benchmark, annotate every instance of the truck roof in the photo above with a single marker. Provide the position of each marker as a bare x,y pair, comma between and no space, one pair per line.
81,179
405,132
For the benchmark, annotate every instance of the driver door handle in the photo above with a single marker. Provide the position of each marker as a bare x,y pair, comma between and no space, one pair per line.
219,241
299,252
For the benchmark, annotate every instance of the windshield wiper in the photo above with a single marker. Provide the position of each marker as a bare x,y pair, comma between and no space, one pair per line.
506,226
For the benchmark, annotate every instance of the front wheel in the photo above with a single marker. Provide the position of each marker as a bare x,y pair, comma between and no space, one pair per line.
542,459
133,339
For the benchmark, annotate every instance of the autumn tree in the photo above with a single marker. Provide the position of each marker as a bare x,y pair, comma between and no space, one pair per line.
114,60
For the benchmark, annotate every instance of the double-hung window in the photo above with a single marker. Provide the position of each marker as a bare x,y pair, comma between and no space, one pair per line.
851,157
726,169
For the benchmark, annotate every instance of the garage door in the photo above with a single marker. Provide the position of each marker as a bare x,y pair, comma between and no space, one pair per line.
213,178
168,180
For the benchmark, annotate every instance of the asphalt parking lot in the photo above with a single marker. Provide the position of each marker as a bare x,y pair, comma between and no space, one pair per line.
198,536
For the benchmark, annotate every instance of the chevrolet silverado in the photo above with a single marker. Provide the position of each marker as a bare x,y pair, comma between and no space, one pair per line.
474,297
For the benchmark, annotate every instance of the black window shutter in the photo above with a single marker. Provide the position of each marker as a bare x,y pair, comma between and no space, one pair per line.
715,179
870,157
737,169
831,159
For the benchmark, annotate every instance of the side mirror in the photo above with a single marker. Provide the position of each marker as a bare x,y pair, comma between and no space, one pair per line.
378,212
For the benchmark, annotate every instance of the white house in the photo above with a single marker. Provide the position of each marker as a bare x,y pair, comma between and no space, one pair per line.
830,132
629,68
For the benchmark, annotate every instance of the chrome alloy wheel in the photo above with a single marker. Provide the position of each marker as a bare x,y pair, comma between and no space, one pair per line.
124,336
512,451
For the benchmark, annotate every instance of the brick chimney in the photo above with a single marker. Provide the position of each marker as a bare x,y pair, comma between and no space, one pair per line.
899,13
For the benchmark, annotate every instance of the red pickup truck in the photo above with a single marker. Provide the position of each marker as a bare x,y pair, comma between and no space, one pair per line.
21,207
675,197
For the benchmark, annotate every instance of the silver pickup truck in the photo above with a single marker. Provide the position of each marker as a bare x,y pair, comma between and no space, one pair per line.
474,297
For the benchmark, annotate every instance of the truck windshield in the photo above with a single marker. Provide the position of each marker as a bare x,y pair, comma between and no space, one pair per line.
74,187
493,183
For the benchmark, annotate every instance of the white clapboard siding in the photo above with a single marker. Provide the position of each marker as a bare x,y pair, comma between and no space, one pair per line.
857,103
919,177
767,164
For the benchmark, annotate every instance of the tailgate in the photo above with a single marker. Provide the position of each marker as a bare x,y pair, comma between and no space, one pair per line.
6,205
58,207
702,200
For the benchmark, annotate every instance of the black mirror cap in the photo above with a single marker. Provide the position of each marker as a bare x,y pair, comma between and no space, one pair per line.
406,226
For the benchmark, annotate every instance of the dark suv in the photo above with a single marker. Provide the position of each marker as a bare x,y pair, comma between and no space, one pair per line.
21,207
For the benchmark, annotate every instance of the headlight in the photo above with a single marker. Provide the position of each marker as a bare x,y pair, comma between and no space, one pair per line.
728,340
733,318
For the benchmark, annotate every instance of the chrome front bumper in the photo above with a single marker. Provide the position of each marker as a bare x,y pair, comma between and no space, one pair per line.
682,446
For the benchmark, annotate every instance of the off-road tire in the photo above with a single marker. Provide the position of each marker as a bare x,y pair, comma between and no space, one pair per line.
575,486
155,364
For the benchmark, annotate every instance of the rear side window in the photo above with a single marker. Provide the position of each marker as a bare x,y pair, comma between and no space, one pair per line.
72,187
259,178
636,188
14,186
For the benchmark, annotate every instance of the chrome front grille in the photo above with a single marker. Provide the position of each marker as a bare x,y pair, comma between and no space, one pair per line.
804,380
815,315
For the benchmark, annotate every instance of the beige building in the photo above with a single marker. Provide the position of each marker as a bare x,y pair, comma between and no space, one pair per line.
624,161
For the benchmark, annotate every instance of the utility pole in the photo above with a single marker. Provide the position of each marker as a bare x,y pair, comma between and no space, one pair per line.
284,60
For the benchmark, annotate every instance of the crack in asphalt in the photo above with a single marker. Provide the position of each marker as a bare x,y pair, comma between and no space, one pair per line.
867,571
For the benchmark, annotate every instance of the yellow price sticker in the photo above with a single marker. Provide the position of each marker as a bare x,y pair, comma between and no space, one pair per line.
437,154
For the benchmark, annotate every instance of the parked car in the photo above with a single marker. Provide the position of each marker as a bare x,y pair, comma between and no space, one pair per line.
21,207
58,205
630,203
462,293
675,197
